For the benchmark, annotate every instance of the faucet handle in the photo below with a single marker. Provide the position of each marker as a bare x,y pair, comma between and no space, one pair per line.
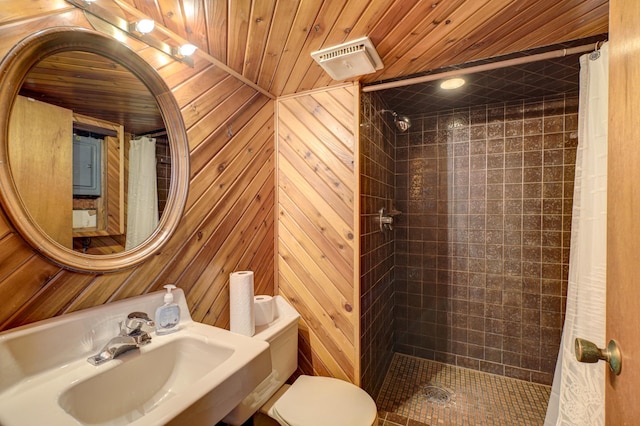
135,321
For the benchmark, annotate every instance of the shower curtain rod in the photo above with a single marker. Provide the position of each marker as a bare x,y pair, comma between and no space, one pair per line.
484,67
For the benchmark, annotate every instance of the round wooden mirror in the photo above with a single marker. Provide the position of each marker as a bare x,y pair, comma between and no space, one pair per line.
18,71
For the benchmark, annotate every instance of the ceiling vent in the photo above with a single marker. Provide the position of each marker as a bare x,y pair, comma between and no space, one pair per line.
351,59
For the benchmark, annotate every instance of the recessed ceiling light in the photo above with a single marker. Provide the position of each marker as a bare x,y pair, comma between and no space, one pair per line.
452,83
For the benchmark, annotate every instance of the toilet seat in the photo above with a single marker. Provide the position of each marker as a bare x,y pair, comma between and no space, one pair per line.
322,401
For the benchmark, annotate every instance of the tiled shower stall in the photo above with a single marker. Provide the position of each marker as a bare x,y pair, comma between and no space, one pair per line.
377,282
474,272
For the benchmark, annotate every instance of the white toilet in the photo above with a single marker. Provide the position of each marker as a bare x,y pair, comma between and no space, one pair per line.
310,400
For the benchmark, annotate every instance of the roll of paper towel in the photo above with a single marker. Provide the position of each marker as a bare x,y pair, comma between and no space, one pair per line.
241,309
263,306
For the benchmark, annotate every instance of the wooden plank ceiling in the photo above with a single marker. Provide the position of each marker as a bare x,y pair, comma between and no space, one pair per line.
269,41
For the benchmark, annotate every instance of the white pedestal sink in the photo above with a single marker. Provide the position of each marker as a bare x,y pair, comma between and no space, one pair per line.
194,376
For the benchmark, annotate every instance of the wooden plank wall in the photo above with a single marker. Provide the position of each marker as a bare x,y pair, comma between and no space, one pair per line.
317,247
228,222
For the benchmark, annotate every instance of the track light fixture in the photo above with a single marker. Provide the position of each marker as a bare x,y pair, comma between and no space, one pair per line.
186,50
141,30
144,26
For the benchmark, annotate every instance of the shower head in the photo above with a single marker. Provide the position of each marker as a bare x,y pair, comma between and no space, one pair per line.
402,122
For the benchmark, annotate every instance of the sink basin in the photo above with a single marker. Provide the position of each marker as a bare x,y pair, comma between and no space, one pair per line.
135,387
193,376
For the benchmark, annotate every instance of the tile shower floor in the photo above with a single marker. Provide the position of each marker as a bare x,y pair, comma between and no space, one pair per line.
419,392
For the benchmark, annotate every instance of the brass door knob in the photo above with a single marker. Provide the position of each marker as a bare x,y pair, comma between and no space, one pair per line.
589,352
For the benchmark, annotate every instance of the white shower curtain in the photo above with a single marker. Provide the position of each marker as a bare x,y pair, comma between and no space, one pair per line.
577,394
142,205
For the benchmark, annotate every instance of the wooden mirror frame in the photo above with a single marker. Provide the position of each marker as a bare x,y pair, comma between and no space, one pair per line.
13,70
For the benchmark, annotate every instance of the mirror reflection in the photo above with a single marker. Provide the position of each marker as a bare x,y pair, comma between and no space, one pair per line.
89,153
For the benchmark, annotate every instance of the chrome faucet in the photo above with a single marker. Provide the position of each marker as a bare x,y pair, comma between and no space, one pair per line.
131,337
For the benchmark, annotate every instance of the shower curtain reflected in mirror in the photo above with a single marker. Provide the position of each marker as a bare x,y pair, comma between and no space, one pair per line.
577,394
142,205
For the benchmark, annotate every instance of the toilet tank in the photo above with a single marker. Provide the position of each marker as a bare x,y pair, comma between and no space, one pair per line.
282,336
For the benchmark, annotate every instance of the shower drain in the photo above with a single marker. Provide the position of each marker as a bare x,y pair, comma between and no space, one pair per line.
436,394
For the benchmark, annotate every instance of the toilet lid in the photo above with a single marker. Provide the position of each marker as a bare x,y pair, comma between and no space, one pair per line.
322,401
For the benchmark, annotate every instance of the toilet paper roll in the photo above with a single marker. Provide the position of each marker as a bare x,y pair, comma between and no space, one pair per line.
241,308
263,306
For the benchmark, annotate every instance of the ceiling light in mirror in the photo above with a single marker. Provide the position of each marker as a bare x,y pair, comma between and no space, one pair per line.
452,83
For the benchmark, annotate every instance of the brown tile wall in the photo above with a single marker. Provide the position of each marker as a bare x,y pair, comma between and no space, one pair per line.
377,164
481,254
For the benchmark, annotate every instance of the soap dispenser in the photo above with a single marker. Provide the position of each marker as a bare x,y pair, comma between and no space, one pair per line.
168,314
